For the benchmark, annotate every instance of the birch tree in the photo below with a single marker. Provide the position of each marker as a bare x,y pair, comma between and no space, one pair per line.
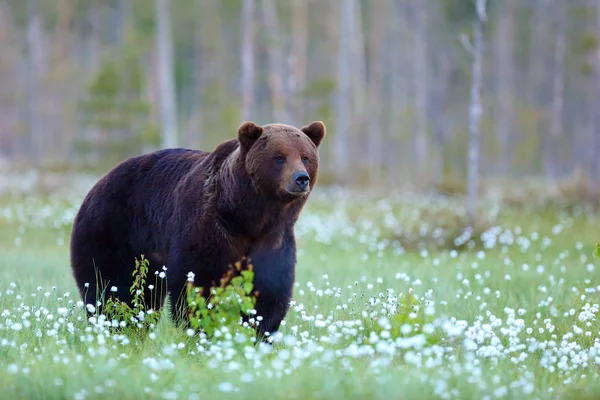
439,75
558,87
421,76
166,84
378,24
361,121
195,124
247,59
538,48
65,11
505,64
344,88
297,60
92,56
275,60
475,109
437,112
595,180
34,69
400,84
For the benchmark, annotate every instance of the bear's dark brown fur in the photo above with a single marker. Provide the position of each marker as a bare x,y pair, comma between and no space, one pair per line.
199,212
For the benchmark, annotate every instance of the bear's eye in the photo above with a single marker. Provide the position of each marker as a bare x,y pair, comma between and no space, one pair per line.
304,159
280,159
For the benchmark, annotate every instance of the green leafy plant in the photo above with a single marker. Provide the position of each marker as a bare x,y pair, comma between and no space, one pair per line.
411,310
227,305
131,318
408,317
115,105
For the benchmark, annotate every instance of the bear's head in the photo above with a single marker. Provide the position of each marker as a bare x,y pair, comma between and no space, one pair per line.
282,161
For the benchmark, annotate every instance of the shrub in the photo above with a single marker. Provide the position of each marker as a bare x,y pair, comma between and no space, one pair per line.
407,316
229,305
131,318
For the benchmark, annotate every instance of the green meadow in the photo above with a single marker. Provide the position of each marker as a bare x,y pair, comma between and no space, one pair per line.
506,310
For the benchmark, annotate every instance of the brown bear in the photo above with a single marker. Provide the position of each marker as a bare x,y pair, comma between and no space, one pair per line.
196,211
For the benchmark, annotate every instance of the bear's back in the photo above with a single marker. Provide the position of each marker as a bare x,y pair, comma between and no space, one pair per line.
143,179
157,167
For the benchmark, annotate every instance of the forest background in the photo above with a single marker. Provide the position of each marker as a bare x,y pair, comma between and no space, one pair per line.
86,84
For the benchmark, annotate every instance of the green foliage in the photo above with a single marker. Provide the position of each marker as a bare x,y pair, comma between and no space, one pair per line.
137,316
461,13
115,105
114,93
452,148
409,317
583,41
458,11
318,93
529,119
584,46
225,304
319,89
230,115
588,42
230,8
143,20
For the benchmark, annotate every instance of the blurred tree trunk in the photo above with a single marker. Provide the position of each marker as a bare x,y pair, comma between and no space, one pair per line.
60,101
166,85
297,60
421,77
437,111
360,121
344,89
195,128
65,14
91,47
275,59
34,70
120,21
211,80
379,18
400,84
505,65
595,165
92,55
537,52
9,105
551,153
475,111
439,71
248,28
539,48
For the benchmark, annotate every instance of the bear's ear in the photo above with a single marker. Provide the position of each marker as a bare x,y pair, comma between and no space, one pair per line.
315,132
248,133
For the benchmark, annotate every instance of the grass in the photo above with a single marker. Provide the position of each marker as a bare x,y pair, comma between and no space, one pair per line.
506,313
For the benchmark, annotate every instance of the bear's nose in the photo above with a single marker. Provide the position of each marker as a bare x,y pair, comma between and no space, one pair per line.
301,179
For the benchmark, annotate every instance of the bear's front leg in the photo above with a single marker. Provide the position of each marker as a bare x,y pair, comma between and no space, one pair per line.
274,274
273,311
